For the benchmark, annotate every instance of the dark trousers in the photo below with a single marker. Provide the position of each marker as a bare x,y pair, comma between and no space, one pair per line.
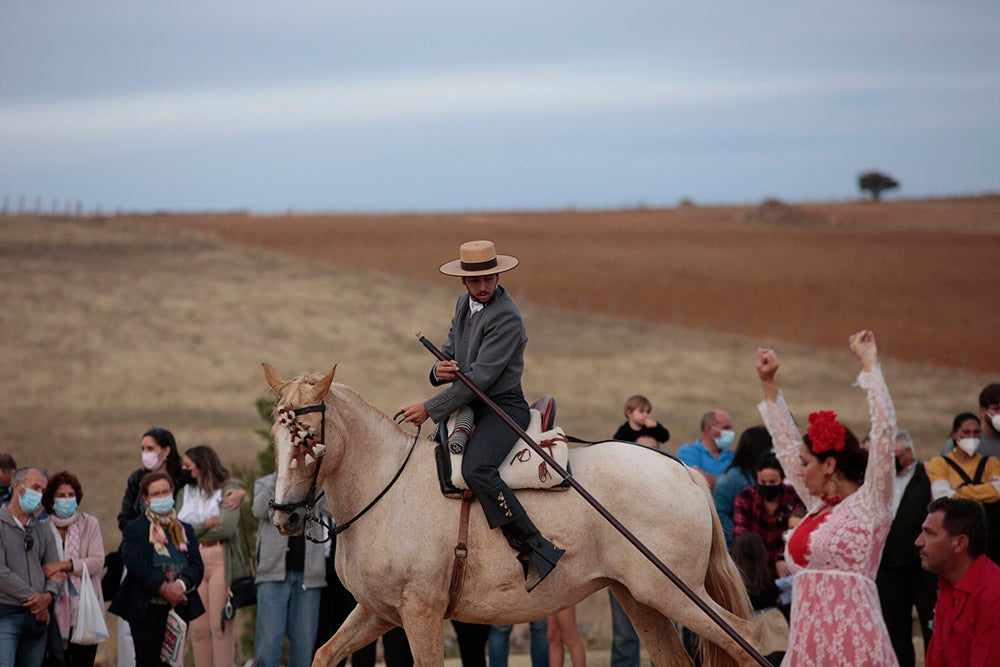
147,635
472,638
900,589
78,655
489,445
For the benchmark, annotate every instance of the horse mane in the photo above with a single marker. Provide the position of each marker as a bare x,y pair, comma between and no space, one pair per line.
297,390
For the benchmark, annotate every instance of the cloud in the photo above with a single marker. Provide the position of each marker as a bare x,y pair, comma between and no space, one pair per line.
536,91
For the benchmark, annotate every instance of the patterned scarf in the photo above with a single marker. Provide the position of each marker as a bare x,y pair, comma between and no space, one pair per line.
159,526
69,549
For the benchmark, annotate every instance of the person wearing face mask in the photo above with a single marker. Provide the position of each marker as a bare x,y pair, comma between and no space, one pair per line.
26,546
902,583
965,472
199,503
7,468
989,412
711,454
158,453
79,543
765,508
164,569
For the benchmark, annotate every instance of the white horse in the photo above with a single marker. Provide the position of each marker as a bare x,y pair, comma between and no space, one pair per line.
396,558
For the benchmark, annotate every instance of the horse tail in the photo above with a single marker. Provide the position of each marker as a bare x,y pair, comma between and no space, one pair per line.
723,582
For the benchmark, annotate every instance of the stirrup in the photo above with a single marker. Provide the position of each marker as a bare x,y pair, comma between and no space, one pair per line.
538,561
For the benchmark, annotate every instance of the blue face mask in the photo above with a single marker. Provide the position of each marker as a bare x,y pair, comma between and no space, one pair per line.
725,438
64,507
161,505
30,500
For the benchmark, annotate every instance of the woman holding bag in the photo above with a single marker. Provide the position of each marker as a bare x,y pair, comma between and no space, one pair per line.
80,545
163,570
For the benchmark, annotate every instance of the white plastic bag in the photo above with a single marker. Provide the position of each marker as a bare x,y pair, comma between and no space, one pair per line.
90,627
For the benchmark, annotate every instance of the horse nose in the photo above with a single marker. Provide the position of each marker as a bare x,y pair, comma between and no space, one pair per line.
294,521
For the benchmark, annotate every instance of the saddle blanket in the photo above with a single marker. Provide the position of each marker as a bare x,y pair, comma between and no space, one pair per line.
523,468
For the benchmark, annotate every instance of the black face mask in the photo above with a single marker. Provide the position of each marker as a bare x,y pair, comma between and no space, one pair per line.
899,465
769,492
186,478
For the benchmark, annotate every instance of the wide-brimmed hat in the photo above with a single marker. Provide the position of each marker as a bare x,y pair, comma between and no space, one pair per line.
478,258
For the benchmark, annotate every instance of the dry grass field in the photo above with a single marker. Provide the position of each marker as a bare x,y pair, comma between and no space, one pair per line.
110,326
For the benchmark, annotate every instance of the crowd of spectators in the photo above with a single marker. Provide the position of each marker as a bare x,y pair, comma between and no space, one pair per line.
936,552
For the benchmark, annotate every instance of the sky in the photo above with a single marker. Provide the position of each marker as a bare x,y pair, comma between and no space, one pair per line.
468,105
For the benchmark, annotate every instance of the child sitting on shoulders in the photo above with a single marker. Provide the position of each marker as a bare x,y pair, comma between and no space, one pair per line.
640,427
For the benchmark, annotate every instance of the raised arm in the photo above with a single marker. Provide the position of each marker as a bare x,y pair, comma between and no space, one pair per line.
780,424
876,493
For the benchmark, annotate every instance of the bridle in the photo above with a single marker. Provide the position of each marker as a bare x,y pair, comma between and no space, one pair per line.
302,437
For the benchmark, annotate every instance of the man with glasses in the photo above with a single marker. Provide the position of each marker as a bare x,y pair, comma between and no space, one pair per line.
25,593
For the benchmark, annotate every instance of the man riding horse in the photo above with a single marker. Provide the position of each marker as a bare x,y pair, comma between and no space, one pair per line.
486,342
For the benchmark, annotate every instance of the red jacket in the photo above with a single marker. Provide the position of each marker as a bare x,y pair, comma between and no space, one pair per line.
967,619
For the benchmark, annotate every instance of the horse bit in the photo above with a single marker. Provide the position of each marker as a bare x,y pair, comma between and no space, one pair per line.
314,450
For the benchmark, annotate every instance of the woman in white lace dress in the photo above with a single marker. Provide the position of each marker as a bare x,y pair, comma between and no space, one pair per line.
835,551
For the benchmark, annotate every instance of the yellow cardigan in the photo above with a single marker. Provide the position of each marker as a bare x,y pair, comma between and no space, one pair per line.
940,471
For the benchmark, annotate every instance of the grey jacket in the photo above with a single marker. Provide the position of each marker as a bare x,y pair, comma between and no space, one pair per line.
272,545
21,573
489,348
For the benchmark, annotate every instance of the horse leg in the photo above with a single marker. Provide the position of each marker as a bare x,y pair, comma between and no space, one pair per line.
696,620
656,632
361,628
423,630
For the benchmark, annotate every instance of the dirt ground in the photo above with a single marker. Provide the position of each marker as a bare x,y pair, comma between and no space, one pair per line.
918,273
111,326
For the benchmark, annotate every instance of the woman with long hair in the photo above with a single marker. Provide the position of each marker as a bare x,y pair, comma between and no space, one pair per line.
739,475
835,551
205,480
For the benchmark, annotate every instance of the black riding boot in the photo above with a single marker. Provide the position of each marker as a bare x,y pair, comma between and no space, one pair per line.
538,556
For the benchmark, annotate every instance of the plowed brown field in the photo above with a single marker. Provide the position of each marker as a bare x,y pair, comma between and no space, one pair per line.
923,274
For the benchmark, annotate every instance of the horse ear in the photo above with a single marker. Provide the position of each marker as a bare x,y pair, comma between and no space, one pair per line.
272,377
321,388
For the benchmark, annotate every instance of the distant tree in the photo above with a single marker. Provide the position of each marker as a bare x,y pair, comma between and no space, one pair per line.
876,183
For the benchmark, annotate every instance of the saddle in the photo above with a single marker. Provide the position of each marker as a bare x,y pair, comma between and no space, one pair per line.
522,468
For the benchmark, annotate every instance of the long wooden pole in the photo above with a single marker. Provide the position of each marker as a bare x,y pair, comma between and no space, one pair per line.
602,510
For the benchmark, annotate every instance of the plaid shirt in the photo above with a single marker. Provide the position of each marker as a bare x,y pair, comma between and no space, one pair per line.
750,516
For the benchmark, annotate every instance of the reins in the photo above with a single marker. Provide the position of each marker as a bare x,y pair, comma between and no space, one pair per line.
310,500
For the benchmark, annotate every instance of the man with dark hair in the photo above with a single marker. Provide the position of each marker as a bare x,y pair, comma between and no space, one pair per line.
7,468
486,342
989,413
952,544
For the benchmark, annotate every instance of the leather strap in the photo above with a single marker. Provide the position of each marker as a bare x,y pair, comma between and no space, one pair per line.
978,479
461,554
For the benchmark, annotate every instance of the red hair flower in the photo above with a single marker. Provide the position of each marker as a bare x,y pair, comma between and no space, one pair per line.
825,432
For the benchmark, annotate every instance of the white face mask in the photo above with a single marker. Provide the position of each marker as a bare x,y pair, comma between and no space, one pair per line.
968,445
995,420
150,461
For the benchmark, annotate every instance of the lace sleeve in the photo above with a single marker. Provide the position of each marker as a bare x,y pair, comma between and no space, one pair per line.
784,433
875,495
